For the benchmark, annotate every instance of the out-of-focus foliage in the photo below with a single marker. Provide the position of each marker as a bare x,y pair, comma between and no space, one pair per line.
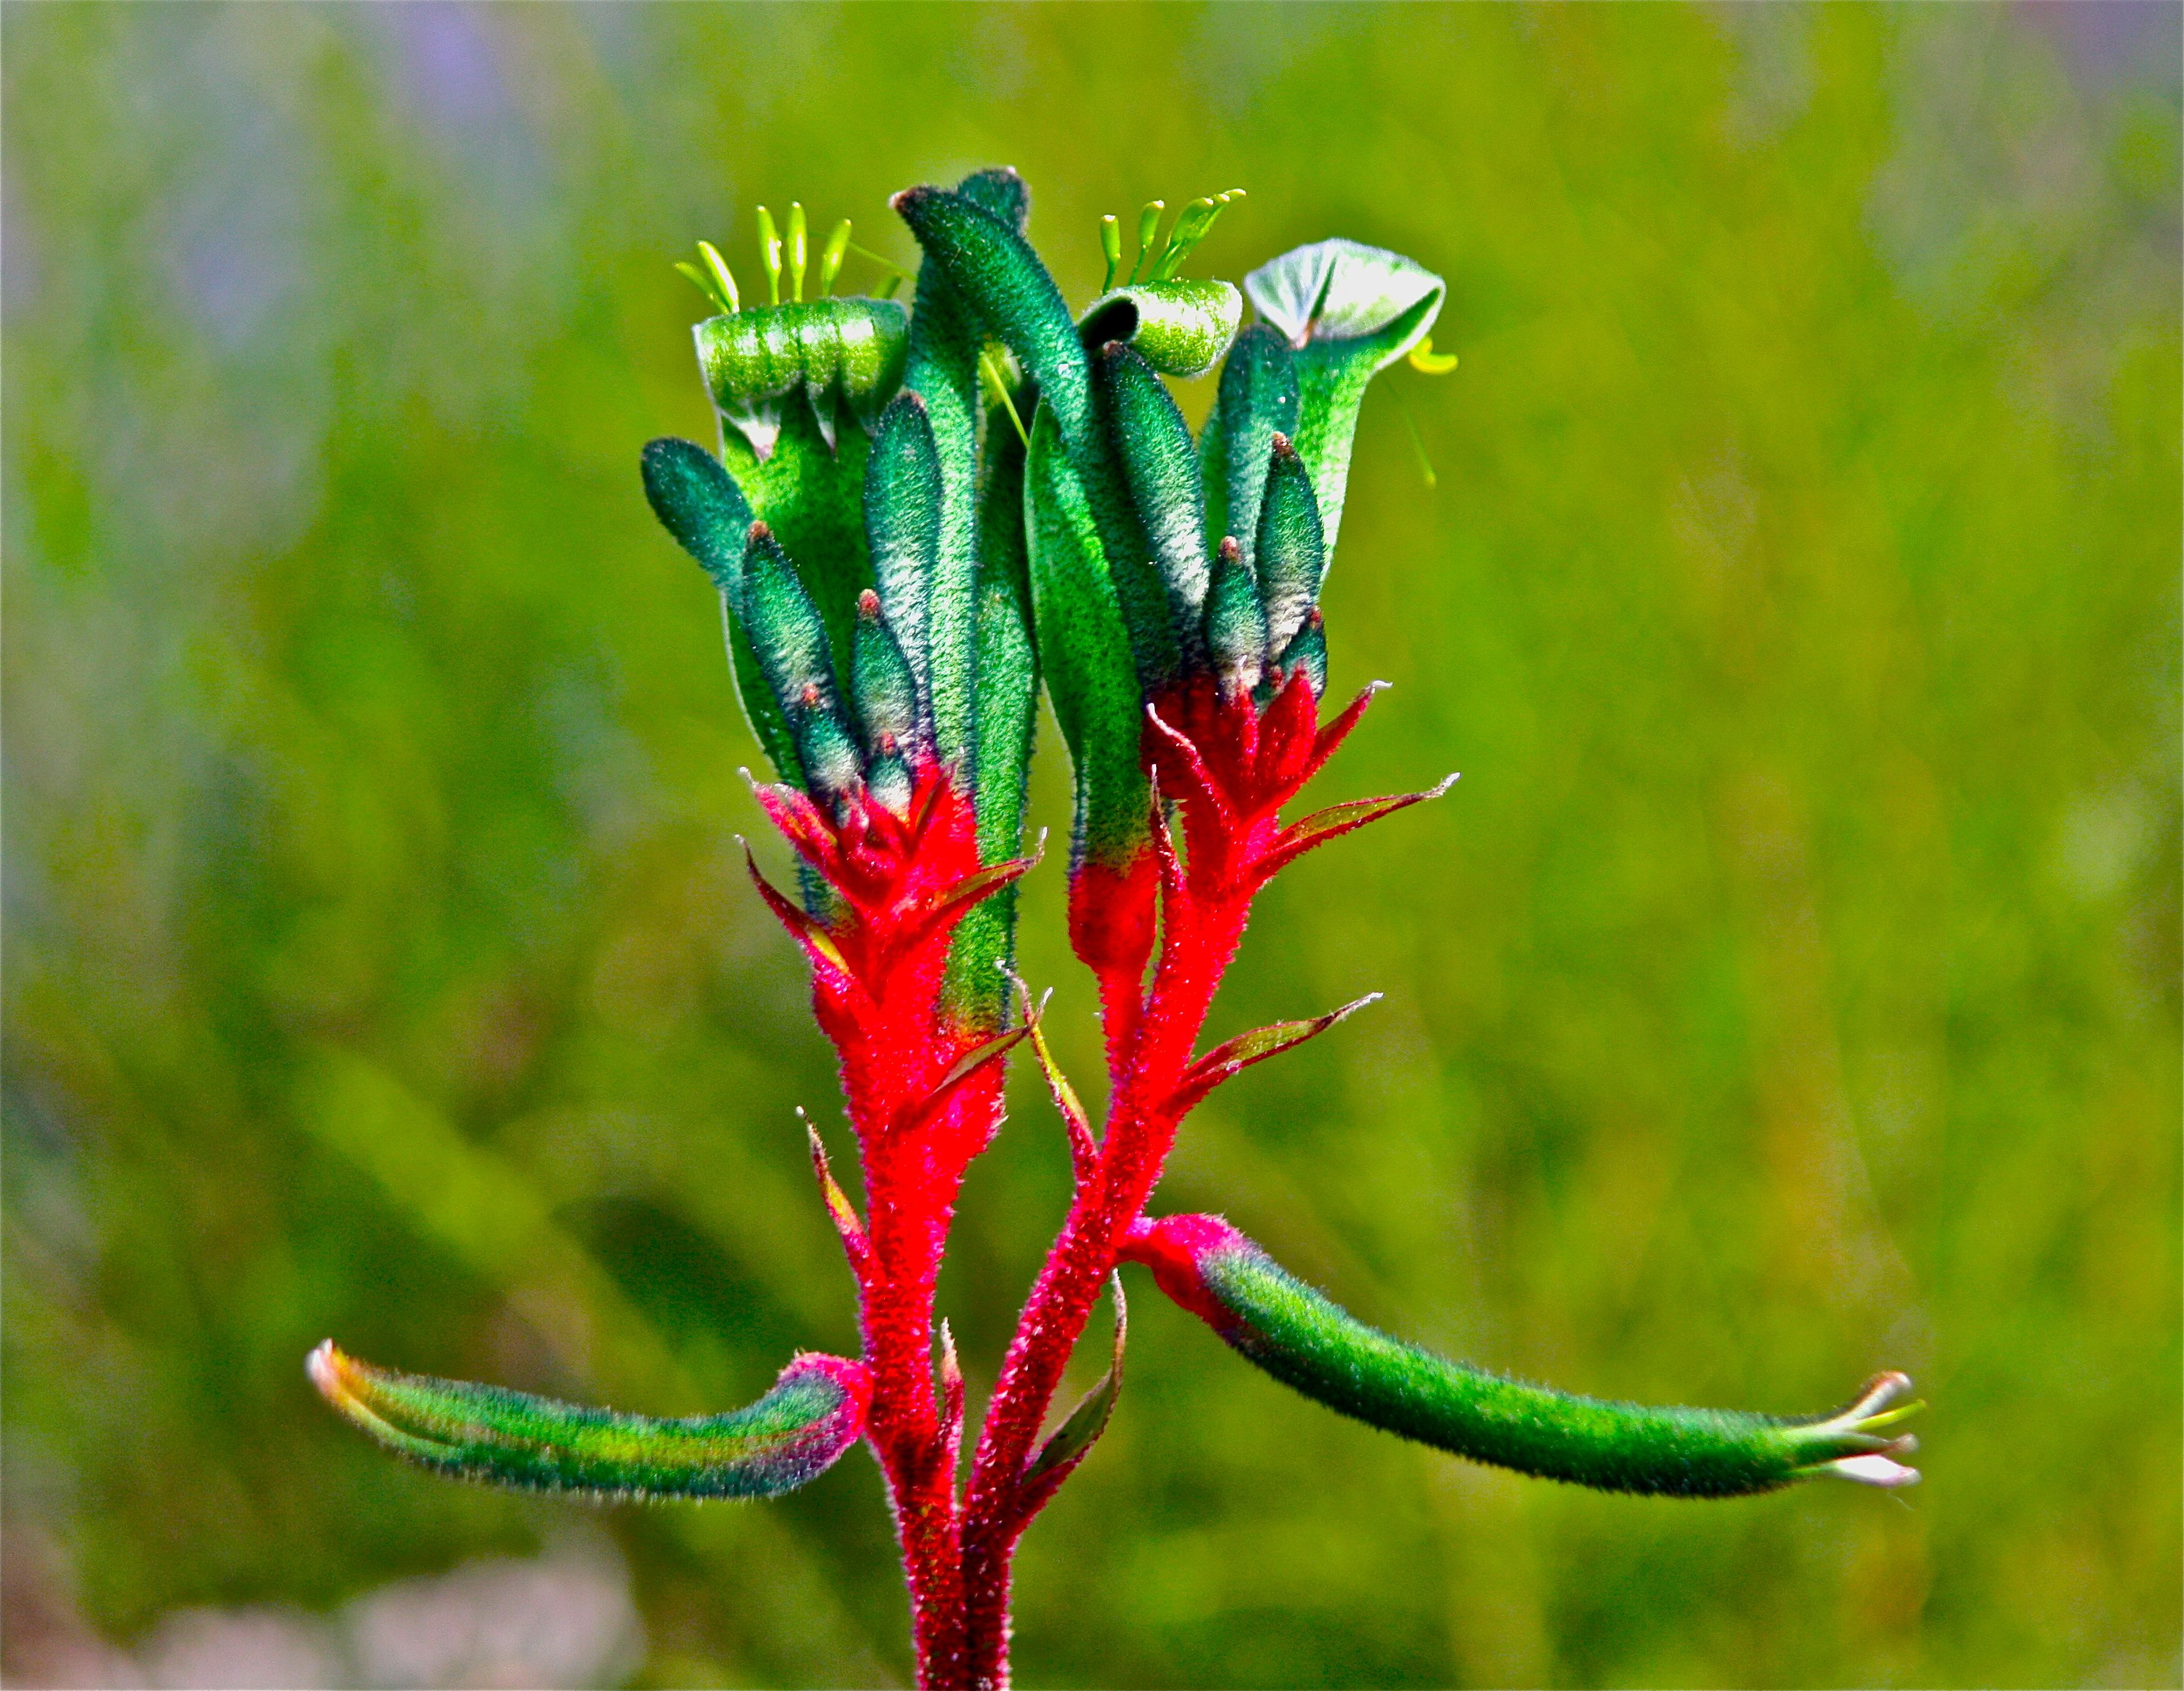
1789,988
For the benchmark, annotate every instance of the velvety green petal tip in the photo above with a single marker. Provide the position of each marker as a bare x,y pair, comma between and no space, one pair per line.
1180,328
1348,311
698,502
850,350
789,1436
1341,290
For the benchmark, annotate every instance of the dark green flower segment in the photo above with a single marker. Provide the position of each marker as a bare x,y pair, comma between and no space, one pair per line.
789,1436
861,523
1307,1342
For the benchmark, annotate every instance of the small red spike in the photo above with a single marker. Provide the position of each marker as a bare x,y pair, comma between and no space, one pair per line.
1332,735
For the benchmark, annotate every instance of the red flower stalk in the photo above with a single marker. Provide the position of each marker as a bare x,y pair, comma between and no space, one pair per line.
1227,764
923,1092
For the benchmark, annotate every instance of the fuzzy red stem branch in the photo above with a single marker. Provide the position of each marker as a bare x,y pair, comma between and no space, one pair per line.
878,965
1233,769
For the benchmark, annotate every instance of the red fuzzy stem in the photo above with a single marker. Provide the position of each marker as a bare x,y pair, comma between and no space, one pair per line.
879,962
922,1111
1111,929
1231,768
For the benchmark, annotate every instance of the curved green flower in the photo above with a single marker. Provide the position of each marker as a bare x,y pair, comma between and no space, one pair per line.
1349,311
789,1436
1307,1342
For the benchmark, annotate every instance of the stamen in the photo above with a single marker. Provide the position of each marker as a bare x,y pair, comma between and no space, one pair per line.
799,250
830,261
991,371
1418,441
1192,225
1428,362
714,280
1111,246
896,276
769,251
1148,226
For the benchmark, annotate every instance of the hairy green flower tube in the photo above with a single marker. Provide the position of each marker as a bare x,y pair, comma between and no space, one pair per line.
789,1436
822,349
879,631
1311,1345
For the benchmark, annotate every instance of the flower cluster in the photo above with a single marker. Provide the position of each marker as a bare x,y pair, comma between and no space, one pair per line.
916,520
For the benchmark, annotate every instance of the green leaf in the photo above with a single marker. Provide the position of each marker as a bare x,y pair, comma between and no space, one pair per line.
1291,555
1258,400
1159,467
789,1436
1180,328
952,905
986,1052
903,497
1073,1441
1335,820
1309,1342
1349,310
1233,1056
1084,653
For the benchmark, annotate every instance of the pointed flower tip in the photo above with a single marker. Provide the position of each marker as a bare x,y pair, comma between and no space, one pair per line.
1881,1471
1871,1460
324,1365
1880,1392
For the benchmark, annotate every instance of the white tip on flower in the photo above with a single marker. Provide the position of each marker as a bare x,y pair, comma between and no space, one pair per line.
1872,1471
1882,1390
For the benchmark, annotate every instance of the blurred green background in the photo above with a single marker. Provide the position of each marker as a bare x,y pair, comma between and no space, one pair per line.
1789,989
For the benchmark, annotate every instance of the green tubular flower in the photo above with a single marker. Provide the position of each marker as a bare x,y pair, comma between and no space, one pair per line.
946,339
841,523
828,354
1257,401
1160,467
1310,1343
1180,328
994,269
788,1438
1348,312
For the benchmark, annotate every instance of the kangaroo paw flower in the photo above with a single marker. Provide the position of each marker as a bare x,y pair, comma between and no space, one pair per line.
1309,1342
788,1438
